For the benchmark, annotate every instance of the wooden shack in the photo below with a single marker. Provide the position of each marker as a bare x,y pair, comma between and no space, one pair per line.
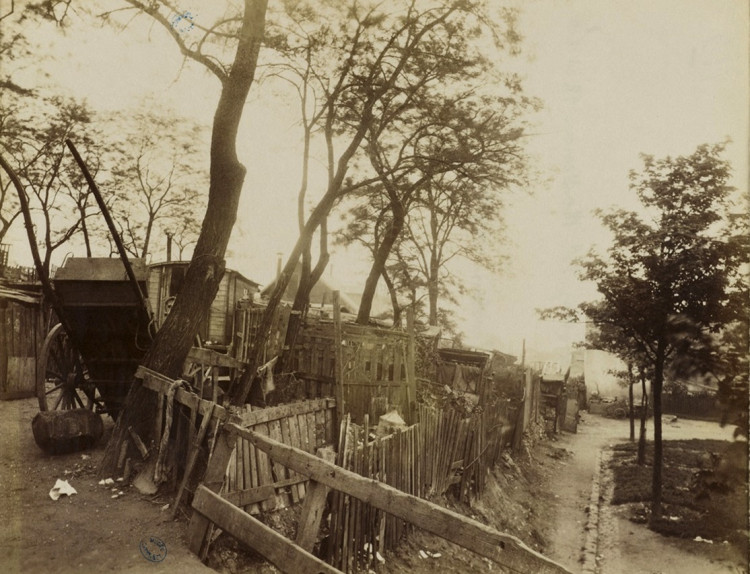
164,282
22,332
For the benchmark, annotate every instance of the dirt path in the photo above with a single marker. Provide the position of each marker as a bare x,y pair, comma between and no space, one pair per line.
572,485
86,532
624,547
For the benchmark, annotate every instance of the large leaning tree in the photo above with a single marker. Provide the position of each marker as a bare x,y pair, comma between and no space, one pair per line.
243,35
677,261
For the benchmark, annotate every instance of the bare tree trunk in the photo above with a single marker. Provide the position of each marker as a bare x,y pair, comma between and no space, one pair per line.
631,410
394,298
432,292
644,416
379,261
85,231
173,341
147,239
308,279
657,479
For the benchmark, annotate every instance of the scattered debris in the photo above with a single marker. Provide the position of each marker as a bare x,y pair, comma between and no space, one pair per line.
106,482
61,487
700,539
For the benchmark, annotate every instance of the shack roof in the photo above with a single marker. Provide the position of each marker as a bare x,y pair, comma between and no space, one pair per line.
186,263
463,356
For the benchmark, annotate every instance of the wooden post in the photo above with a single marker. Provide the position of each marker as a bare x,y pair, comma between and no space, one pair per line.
339,372
4,347
199,530
411,374
192,456
312,513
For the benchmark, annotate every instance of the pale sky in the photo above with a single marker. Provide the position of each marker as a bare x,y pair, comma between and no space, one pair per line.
617,78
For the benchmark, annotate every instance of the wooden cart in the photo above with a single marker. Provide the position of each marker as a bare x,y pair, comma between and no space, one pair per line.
111,328
92,366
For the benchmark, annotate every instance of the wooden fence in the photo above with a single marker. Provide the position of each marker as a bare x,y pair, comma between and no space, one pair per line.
296,557
443,450
247,318
22,330
254,482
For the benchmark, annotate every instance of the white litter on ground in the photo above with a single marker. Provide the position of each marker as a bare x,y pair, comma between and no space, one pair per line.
61,487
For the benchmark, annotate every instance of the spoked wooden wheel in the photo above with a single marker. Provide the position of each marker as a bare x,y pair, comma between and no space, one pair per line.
63,382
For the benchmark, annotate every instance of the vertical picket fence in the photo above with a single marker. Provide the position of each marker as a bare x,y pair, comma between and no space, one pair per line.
443,450
358,531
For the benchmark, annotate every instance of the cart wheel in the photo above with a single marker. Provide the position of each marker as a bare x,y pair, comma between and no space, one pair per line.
62,382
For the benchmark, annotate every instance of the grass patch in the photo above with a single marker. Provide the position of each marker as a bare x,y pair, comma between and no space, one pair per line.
702,494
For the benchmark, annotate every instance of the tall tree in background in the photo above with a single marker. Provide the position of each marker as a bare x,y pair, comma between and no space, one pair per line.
678,261
157,186
455,217
360,56
34,137
10,208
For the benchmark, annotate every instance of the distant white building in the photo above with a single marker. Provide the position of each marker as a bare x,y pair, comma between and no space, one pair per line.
599,370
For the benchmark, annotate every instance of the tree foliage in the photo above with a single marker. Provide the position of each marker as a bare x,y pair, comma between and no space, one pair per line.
444,146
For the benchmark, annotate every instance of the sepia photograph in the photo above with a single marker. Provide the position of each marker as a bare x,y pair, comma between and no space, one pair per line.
374,286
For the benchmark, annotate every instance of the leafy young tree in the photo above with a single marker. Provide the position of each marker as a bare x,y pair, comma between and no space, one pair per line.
678,260
608,336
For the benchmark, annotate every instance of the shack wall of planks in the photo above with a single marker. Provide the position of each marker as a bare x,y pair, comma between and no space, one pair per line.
375,367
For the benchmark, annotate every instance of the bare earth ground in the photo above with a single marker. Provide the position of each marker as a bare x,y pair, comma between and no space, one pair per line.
86,532
541,497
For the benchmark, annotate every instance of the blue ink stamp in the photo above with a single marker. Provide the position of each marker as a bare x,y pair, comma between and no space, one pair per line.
184,22
153,548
